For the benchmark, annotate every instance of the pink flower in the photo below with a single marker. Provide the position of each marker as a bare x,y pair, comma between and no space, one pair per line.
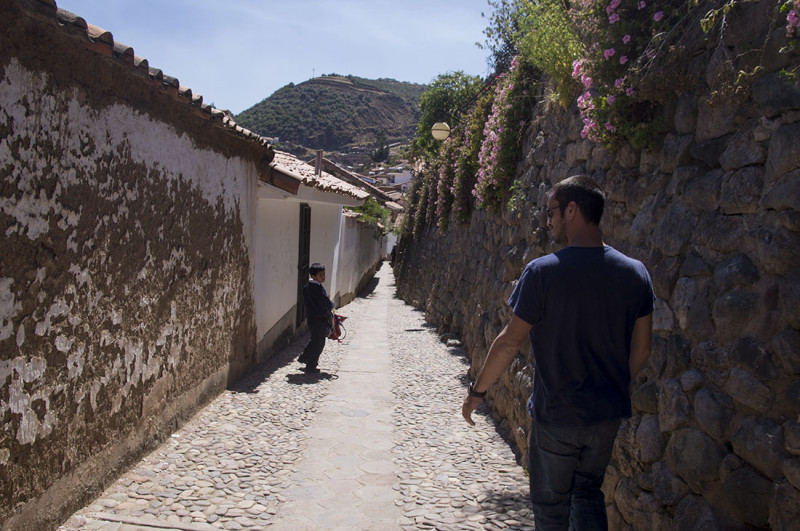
613,19
610,127
658,16
642,4
609,53
623,59
618,83
626,39
587,81
611,99
629,91
577,65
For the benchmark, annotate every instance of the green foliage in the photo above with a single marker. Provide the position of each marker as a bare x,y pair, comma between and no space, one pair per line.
549,40
502,33
332,112
519,193
446,98
380,150
374,215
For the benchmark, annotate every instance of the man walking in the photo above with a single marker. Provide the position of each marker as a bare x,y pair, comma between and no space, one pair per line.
588,309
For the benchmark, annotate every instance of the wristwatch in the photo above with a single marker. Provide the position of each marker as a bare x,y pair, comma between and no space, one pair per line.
473,392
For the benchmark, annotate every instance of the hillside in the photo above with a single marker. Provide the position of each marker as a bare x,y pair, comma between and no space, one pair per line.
333,112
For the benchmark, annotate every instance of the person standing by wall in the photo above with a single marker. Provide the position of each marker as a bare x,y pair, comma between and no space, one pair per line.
319,315
588,310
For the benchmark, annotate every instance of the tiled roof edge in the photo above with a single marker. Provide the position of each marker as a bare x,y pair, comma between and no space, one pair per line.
102,42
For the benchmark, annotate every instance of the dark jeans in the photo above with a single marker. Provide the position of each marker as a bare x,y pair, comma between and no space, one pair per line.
567,466
319,332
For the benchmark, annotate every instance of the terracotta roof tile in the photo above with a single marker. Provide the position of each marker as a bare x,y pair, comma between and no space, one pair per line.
292,166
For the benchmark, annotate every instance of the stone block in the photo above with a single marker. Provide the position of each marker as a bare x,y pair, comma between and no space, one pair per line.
675,152
748,494
776,249
746,389
665,275
791,430
784,508
709,151
690,303
718,233
736,272
685,116
668,488
732,313
784,194
789,297
694,266
752,355
663,318
702,193
694,456
715,119
760,441
649,440
691,380
625,499
786,346
672,233
644,398
694,513
774,94
743,150
742,191
784,151
791,471
649,161
648,514
673,406
714,411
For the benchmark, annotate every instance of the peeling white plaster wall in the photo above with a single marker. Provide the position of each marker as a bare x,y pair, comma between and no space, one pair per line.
87,138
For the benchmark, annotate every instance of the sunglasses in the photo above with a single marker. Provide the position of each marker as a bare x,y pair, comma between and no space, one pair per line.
550,211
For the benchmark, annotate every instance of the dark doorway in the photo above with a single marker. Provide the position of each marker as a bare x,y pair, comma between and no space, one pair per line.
304,255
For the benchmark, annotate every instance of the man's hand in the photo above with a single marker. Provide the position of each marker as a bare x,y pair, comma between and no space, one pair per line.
470,404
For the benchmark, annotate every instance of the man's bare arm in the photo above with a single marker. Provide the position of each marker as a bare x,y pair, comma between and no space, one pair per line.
640,343
500,356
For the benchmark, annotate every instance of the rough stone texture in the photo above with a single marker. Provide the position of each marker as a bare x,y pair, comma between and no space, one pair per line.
713,212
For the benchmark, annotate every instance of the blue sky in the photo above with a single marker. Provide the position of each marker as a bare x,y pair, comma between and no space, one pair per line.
238,52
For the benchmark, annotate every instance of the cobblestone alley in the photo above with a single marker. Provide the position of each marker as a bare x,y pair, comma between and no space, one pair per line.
375,441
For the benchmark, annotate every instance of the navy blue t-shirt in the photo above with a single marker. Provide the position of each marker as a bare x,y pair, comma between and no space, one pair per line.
582,303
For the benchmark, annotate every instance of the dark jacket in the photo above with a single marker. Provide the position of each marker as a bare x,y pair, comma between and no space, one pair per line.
317,304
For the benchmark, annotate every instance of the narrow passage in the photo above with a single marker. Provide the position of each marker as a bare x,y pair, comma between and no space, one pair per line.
374,441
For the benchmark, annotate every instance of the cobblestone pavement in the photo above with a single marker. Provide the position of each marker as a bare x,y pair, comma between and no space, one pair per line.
375,441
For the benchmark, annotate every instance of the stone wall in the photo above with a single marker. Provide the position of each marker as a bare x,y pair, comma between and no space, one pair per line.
714,213
126,285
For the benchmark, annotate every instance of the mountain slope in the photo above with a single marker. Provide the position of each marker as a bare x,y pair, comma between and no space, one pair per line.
332,112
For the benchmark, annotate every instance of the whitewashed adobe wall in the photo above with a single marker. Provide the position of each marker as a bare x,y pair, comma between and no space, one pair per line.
276,247
126,277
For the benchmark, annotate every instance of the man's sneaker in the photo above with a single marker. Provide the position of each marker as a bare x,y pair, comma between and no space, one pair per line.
310,370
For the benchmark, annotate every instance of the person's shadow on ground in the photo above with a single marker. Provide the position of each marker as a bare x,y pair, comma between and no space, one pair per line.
306,379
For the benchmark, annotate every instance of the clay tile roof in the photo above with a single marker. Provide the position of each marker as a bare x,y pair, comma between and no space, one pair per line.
292,166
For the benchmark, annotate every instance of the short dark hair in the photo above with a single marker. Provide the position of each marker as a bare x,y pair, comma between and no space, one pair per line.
585,192
315,268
